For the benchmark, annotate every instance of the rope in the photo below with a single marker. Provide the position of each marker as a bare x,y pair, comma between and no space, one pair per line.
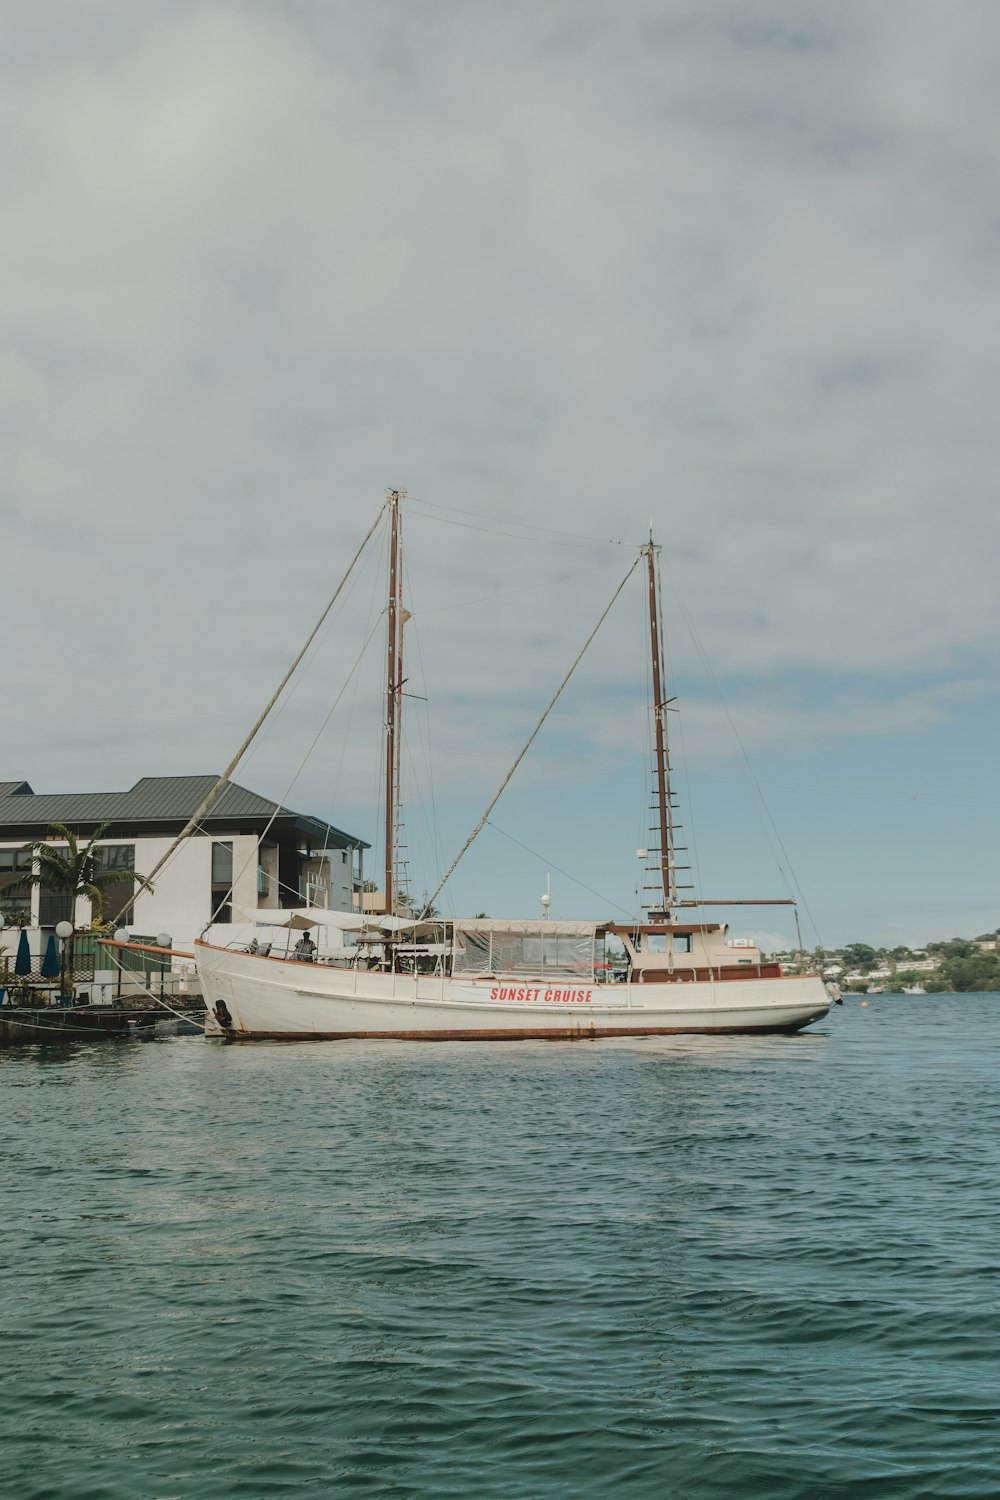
279,807
223,779
553,866
62,1028
527,746
770,827
157,1000
521,525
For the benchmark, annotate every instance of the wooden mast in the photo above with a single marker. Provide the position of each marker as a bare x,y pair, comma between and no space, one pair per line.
392,706
662,770
399,863
664,799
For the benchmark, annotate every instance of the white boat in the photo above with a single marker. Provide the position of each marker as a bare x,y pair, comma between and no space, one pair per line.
494,980
251,998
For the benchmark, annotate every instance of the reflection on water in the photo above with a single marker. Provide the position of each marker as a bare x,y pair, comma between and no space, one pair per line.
663,1267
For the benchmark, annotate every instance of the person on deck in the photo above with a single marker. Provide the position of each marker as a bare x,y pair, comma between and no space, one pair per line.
305,949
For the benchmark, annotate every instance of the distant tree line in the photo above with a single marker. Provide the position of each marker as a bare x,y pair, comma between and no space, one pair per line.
964,966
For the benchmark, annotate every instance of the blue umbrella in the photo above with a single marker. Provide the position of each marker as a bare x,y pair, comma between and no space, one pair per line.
50,963
22,963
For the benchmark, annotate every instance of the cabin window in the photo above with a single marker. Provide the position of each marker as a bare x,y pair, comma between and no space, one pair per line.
656,942
540,953
612,957
682,942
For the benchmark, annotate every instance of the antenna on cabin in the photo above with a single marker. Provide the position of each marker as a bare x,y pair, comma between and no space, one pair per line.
547,898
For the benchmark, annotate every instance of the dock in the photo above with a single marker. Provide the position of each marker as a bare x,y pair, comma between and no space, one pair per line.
21,1025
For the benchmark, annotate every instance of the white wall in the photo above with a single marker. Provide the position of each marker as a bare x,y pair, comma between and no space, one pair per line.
341,878
181,903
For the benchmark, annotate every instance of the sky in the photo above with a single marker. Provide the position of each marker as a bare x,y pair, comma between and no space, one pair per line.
562,271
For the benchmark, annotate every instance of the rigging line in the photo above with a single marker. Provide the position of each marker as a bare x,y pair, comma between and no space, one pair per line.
433,835
431,820
528,743
749,765
516,535
345,738
551,864
526,525
318,646
768,826
157,999
279,806
61,1029
689,808
197,816
528,588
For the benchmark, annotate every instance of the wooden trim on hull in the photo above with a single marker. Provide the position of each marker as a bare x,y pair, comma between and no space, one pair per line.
707,975
546,1034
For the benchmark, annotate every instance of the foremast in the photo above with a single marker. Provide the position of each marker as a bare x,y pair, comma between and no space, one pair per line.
394,666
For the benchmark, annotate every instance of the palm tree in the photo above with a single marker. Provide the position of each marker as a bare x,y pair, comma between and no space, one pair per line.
74,872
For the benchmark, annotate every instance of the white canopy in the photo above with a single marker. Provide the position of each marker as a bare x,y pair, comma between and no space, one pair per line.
534,927
302,917
345,921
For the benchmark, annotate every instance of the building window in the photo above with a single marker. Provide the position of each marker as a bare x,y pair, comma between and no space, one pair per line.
222,881
53,907
222,864
15,901
115,856
14,859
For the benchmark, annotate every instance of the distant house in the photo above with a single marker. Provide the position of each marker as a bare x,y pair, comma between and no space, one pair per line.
248,853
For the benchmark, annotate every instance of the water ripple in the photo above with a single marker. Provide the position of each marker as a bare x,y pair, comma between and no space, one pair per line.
682,1267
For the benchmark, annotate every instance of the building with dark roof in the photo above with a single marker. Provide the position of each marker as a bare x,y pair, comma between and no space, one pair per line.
247,853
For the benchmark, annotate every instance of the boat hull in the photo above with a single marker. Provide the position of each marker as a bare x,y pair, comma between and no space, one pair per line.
250,998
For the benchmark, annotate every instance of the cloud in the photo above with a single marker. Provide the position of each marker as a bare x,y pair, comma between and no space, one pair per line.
568,266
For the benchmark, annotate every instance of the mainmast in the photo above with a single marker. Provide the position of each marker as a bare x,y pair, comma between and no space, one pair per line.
664,802
667,829
392,704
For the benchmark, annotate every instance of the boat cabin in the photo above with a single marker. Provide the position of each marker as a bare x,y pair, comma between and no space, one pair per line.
604,952
551,952
672,952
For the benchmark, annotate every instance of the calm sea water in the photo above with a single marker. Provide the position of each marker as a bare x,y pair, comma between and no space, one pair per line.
667,1268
